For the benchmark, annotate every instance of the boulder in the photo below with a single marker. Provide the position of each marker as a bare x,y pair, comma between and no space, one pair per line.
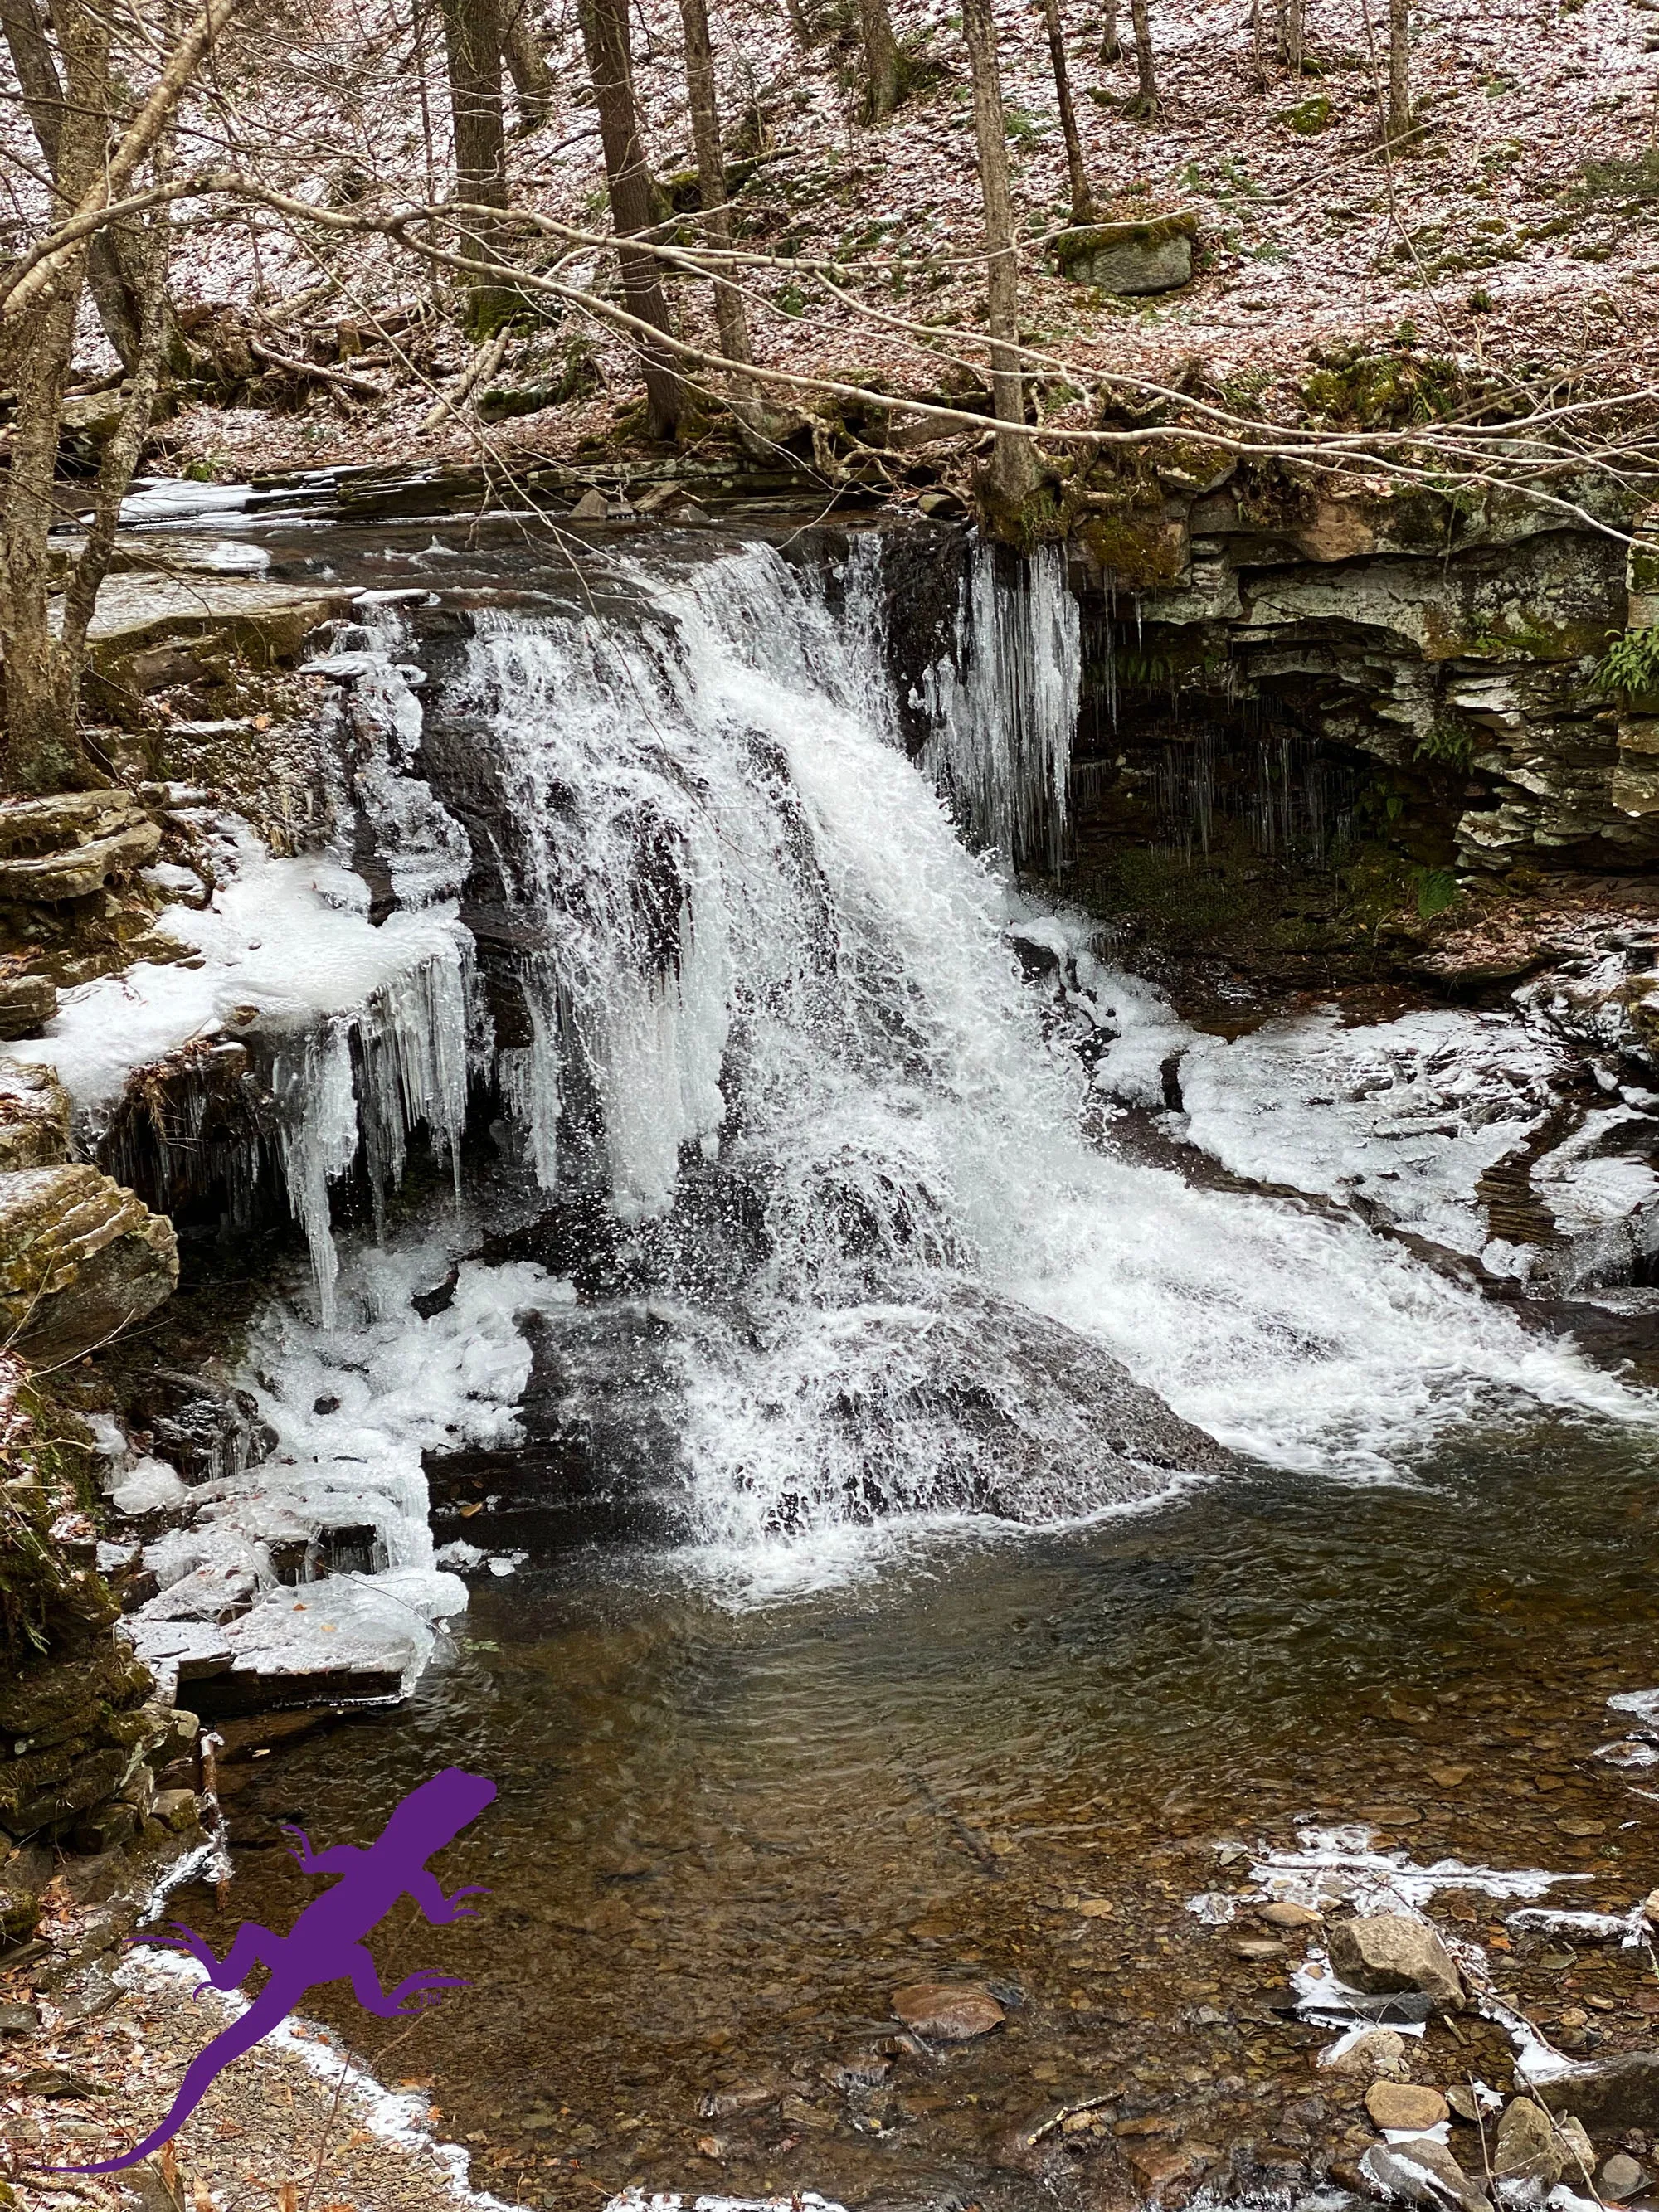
80,1258
1528,2148
175,1809
1130,259
1396,2104
34,1114
947,2011
1385,1952
1421,2170
80,870
32,826
1615,2094
1620,2177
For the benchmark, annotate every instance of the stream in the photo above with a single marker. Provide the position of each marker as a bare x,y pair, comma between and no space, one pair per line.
908,1535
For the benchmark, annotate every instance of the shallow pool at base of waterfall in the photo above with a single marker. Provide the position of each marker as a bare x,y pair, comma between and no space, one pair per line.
726,1835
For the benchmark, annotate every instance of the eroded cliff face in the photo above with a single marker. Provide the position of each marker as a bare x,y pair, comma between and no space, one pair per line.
1433,661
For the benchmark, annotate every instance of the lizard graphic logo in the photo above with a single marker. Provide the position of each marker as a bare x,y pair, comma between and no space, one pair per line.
326,1943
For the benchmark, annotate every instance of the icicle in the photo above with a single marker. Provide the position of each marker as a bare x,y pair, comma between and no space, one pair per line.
1004,706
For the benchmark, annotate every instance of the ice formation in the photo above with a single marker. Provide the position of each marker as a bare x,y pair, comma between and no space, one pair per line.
1003,702
361,1026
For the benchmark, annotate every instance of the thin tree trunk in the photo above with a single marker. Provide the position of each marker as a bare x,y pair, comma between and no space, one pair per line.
472,46
881,56
604,35
1290,35
120,455
1146,98
1111,47
1083,205
1014,471
729,312
1399,82
532,80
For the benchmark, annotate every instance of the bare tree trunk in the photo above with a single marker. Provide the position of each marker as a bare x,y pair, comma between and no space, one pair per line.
604,35
1400,80
472,47
1146,97
729,312
532,80
881,56
1111,47
121,453
1083,205
1014,471
1290,35
116,290
44,751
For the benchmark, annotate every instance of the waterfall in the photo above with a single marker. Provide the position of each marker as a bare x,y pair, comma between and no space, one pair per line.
1003,702
781,1044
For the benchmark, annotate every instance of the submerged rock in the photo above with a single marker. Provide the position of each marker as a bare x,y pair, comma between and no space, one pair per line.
1386,1952
1618,2093
946,2012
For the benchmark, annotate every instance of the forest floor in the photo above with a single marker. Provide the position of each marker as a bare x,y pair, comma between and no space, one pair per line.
1509,252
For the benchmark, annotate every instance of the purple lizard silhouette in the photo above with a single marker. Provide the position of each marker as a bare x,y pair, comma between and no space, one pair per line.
325,1942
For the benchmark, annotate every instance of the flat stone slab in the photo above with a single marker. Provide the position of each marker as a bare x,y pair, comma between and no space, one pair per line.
134,605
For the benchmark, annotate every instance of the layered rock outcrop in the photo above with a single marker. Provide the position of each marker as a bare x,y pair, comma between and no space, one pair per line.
1462,637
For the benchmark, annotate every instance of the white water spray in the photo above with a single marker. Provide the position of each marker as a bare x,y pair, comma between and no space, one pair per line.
771,964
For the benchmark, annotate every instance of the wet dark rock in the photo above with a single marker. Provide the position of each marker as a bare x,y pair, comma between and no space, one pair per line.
1613,2094
440,1298
1385,1952
207,1430
23,2020
600,1450
948,2012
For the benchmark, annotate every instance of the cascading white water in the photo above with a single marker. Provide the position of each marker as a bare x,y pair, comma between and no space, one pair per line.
772,960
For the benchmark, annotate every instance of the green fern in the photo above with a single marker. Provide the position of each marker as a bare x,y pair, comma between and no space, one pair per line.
1449,746
1436,890
1631,663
